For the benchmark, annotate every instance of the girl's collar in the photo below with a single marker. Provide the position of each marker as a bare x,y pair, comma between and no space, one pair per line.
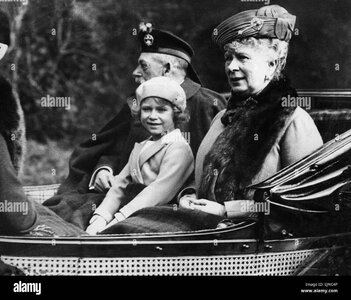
170,137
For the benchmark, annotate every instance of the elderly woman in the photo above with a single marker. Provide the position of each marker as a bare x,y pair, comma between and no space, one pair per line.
254,137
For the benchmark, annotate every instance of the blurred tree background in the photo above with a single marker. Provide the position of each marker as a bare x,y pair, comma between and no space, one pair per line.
86,50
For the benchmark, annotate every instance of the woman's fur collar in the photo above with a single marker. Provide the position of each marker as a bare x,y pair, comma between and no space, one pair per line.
252,128
12,126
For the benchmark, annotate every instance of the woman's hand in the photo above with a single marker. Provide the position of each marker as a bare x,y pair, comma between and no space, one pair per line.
208,206
97,224
186,201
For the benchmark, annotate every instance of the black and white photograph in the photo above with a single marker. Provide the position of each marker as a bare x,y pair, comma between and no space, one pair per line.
180,138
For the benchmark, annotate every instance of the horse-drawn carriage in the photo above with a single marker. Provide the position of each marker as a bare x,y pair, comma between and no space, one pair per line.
310,233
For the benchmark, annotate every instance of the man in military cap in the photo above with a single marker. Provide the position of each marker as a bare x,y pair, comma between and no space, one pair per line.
94,162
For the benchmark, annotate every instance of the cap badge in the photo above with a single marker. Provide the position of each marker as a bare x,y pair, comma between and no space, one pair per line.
145,27
148,39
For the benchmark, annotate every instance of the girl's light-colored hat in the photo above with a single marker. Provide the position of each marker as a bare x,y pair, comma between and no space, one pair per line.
162,87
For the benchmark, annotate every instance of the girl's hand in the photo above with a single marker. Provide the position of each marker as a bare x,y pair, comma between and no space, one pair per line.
186,201
97,224
113,222
208,206
119,217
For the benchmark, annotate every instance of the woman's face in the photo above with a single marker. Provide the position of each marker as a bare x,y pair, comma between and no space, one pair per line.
156,116
249,69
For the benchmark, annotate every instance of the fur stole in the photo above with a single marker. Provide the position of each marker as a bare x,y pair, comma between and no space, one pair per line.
253,126
12,126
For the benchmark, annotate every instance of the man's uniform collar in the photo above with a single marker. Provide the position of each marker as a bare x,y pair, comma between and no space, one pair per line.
190,87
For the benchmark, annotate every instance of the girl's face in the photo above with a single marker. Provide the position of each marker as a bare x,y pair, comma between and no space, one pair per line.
249,69
156,115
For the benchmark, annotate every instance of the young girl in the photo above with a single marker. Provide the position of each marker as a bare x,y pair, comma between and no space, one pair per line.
160,164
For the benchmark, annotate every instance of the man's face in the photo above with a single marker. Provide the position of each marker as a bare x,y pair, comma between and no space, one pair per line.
148,67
